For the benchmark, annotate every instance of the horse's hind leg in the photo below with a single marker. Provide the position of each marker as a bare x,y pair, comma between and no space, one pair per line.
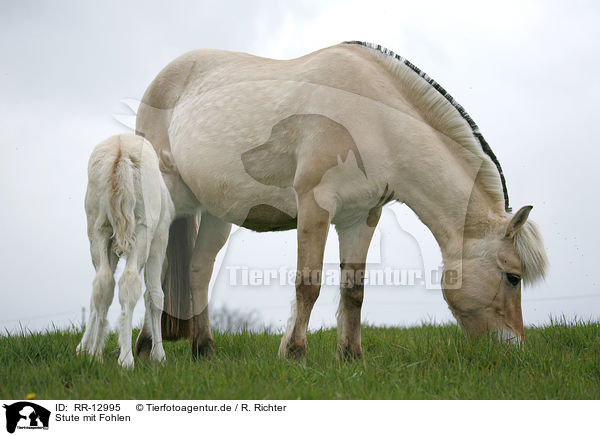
154,297
130,290
313,226
212,235
102,291
354,244
143,343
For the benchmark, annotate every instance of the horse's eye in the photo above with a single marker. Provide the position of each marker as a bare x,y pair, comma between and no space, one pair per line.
513,279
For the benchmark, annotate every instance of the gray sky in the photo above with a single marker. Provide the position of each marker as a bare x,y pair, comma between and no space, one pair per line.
527,74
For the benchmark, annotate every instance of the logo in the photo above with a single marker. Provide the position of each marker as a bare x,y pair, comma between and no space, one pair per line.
26,415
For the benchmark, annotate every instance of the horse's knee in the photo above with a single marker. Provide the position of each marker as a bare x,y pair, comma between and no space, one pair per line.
307,293
353,297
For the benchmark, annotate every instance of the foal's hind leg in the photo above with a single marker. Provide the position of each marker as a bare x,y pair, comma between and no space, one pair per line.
212,235
154,297
130,290
354,244
105,262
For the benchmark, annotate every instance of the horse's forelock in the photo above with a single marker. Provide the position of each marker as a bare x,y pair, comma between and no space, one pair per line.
530,249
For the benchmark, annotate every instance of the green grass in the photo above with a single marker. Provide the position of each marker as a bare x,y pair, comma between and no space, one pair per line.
560,361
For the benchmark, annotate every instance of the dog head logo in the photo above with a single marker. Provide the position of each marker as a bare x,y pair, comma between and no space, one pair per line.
26,415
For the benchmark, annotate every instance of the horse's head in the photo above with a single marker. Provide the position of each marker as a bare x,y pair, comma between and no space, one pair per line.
487,297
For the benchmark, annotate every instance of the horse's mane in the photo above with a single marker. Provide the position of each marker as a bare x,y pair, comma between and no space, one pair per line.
530,249
441,110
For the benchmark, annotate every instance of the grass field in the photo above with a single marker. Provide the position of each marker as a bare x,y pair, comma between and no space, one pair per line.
561,361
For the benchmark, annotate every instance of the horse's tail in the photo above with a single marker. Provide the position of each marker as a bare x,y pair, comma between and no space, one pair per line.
122,199
177,310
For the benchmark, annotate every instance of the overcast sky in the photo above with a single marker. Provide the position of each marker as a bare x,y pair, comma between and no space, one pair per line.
528,75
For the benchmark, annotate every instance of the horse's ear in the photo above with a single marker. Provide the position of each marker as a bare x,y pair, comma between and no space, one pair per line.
518,220
166,162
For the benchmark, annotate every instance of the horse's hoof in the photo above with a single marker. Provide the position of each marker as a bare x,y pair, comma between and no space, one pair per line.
204,349
295,351
347,352
143,346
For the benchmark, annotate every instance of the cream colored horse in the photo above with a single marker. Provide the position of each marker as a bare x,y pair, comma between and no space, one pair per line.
129,212
329,138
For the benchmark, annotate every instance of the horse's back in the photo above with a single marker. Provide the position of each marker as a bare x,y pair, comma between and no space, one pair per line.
343,66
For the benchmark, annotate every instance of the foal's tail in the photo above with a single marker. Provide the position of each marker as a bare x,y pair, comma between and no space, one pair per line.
122,203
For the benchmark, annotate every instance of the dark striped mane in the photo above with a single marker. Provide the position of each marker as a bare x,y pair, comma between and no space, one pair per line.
463,113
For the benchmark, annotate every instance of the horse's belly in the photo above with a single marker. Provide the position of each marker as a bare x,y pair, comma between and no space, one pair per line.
228,192
266,218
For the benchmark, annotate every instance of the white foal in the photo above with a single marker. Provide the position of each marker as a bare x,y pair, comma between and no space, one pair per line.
129,211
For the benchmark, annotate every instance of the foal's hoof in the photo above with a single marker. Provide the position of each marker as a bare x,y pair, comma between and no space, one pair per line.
158,355
127,361
202,349
80,349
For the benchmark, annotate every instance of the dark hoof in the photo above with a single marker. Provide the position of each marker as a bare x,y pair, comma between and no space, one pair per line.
295,351
204,349
143,345
349,353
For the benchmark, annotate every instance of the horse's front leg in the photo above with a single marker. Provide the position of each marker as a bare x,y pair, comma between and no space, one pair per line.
354,244
313,225
212,235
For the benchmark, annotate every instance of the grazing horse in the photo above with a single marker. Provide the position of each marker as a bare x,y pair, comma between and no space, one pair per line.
129,211
330,138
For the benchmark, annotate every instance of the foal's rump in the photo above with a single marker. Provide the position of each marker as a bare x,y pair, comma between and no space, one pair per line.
124,188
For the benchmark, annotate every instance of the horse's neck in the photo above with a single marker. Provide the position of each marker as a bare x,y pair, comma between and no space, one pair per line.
446,194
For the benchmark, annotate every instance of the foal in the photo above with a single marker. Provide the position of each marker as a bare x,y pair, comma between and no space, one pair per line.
129,211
